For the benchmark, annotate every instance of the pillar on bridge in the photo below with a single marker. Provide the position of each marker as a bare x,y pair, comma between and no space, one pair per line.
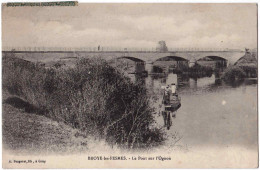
192,62
139,67
148,67
228,63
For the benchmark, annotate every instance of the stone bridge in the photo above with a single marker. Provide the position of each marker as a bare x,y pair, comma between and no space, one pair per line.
147,57
151,57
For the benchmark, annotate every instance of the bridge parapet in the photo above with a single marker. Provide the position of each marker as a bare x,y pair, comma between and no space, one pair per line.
114,49
146,56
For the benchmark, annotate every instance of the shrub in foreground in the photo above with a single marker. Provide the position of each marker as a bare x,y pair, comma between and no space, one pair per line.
93,97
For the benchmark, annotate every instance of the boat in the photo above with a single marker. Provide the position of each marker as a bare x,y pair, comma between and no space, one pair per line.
174,103
171,106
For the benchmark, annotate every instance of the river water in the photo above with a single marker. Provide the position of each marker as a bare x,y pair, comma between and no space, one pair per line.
213,113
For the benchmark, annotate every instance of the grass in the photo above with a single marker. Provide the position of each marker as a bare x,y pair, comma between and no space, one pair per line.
93,97
30,133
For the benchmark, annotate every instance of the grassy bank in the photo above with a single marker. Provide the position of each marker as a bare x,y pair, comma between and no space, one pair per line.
92,97
26,132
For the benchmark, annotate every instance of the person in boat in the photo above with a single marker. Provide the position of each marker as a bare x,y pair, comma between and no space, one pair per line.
175,100
173,88
166,104
166,95
171,100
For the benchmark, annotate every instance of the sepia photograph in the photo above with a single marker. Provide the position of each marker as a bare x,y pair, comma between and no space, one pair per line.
129,85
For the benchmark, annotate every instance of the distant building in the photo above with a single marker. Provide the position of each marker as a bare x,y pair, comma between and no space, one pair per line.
161,47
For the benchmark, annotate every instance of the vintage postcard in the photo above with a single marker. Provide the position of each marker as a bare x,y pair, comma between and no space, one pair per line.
129,85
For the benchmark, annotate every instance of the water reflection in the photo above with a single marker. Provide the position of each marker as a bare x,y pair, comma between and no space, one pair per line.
186,84
212,112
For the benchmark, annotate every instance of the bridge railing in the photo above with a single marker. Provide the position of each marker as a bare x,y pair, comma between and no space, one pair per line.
107,49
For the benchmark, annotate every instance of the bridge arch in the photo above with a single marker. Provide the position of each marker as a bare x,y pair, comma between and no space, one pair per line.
213,61
171,58
213,57
171,62
135,65
137,60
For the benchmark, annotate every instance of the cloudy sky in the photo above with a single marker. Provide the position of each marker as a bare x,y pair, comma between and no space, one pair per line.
131,25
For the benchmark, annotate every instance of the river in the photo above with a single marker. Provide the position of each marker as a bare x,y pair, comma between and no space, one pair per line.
213,113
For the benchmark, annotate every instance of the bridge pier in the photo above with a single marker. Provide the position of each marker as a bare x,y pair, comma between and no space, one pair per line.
148,67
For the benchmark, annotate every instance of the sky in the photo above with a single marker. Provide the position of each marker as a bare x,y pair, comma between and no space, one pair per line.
131,25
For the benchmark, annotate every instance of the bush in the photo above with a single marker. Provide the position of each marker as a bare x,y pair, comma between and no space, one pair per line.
196,71
157,69
233,73
200,69
251,71
93,97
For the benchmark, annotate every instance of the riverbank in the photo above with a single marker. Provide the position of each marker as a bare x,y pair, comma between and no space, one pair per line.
92,97
229,140
25,132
